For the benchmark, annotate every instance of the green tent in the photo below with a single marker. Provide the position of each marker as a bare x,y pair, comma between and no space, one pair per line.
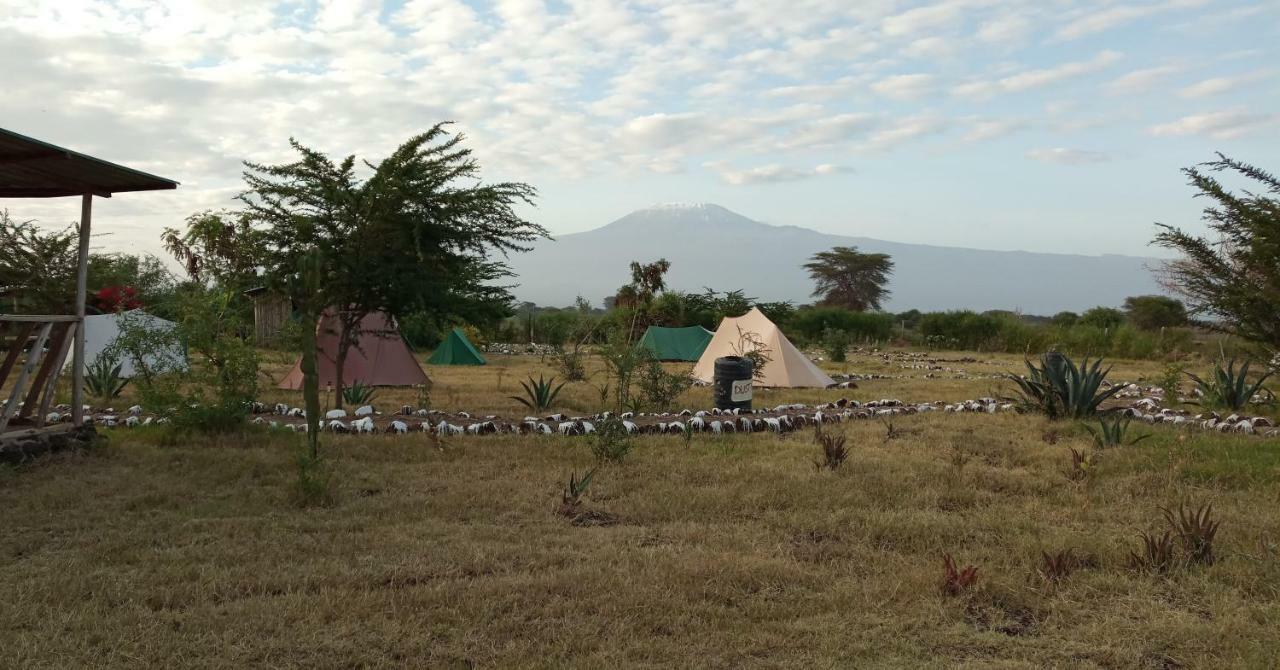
456,350
676,344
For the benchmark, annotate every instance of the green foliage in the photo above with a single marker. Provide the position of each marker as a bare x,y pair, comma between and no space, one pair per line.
315,484
357,393
961,329
1061,389
811,324
622,360
1233,272
102,378
751,347
540,395
611,442
1102,317
1170,381
1195,529
214,394
835,344
38,267
848,278
576,488
658,388
1227,387
1065,319
1111,432
1152,312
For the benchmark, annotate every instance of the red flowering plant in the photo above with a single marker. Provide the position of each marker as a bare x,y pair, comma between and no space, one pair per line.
116,299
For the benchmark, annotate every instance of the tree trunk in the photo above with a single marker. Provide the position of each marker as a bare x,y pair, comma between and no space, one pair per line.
311,389
341,363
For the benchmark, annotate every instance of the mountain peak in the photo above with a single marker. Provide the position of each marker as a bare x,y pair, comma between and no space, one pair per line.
682,217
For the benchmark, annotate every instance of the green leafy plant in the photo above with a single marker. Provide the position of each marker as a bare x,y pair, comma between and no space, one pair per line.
834,452
753,348
539,395
315,484
611,442
357,393
835,344
1169,381
102,378
1227,387
571,497
1195,529
1061,389
1111,432
1155,554
660,388
956,580
1082,464
570,362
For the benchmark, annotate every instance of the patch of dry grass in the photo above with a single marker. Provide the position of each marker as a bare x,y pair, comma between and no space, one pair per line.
731,552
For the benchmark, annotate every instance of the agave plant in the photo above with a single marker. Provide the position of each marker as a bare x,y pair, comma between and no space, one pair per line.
1111,433
1061,389
834,452
1155,554
1227,387
539,395
574,490
102,378
357,393
1195,529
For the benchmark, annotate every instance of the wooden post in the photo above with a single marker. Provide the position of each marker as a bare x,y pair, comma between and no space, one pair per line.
82,279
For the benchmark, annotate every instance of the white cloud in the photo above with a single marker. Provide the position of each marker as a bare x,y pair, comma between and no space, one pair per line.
905,86
1092,20
1220,85
1222,125
1141,81
922,19
1008,29
906,129
1037,78
1064,156
981,130
772,173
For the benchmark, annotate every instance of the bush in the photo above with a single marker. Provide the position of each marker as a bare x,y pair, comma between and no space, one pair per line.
962,329
660,388
811,324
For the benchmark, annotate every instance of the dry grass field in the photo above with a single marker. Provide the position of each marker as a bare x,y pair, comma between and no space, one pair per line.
730,551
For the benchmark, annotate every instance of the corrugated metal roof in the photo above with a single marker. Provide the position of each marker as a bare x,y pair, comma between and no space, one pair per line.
30,168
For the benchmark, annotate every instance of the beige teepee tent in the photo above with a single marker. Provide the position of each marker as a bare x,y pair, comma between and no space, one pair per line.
788,367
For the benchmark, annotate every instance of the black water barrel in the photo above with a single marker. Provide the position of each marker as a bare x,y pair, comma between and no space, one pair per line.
732,382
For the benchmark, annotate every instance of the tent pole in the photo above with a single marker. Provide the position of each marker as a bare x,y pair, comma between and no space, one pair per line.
82,279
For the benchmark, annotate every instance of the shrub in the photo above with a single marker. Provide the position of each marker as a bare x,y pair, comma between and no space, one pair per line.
961,329
1058,388
834,453
1195,530
611,441
357,393
1169,381
812,323
956,581
314,486
570,363
1111,433
1227,387
102,378
660,388
539,395
835,344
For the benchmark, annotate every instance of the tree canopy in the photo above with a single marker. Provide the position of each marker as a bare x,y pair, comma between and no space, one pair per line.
1233,276
1152,312
846,277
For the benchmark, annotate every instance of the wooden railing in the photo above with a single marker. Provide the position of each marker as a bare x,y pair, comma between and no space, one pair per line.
36,348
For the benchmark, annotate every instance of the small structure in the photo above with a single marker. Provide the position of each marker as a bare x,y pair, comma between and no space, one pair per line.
270,312
379,358
456,350
30,168
787,367
676,344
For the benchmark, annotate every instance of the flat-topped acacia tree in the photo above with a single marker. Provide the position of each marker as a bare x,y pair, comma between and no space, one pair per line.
420,233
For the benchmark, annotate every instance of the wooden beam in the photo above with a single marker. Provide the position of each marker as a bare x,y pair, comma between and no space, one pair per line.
32,432
20,383
15,350
34,156
38,318
52,357
50,389
82,278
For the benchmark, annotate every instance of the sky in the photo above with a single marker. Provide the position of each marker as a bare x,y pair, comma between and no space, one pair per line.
1043,125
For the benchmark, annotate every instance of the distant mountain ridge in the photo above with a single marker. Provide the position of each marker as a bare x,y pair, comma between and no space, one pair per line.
710,246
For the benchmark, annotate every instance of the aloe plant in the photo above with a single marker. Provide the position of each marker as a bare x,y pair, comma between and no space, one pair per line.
1061,389
102,378
576,487
539,395
1111,433
357,393
1227,387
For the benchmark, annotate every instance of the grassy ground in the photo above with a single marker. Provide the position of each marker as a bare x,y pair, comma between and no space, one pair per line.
727,552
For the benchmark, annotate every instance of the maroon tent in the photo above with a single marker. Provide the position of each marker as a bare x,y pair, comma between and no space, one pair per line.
379,358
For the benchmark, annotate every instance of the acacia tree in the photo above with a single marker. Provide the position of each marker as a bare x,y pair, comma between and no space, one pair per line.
1234,276
418,234
647,281
36,266
846,277
221,247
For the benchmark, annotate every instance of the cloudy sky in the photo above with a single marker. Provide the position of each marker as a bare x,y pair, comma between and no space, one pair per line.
1003,124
